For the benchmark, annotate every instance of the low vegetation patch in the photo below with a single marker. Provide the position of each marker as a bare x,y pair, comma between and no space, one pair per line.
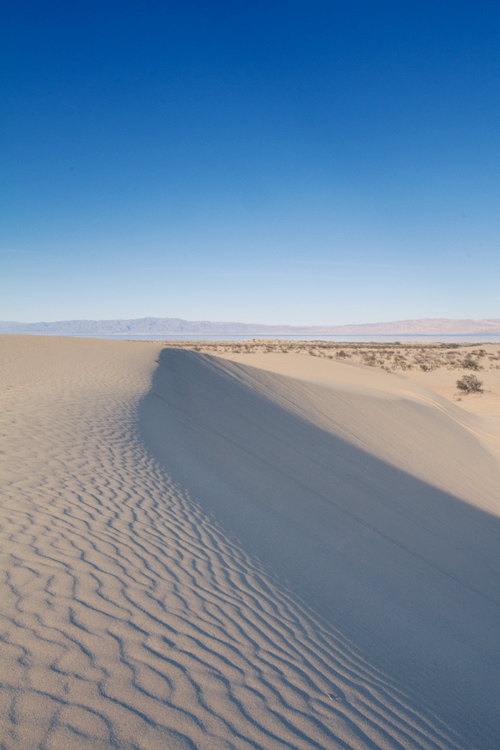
469,384
389,356
471,364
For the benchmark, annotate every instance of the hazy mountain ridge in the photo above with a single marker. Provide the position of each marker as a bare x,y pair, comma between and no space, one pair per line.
158,326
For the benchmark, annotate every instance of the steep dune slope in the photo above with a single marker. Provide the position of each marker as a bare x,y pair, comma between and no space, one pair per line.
377,507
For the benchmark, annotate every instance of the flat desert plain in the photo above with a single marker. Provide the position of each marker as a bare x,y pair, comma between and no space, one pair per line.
249,550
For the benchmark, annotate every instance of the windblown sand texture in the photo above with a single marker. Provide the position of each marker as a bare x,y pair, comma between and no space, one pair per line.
201,553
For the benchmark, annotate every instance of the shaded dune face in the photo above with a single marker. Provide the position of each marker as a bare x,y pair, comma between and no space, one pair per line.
402,571
195,554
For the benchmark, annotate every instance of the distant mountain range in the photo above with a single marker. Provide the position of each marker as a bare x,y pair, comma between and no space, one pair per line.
173,326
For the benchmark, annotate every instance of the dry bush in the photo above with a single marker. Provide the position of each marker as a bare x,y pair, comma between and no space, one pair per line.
471,364
469,384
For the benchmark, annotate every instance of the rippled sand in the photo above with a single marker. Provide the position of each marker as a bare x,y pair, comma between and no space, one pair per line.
202,553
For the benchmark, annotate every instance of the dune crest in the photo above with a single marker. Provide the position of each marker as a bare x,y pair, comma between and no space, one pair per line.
196,554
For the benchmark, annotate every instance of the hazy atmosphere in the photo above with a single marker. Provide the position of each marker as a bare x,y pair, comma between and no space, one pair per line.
300,163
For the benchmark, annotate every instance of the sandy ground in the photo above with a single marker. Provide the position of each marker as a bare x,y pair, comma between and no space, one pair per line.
417,384
263,551
436,366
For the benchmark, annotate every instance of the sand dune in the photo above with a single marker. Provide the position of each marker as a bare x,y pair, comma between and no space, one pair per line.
198,553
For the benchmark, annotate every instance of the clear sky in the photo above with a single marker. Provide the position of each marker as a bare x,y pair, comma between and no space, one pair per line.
271,161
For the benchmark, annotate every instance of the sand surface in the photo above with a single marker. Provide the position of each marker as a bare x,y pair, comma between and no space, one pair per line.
277,552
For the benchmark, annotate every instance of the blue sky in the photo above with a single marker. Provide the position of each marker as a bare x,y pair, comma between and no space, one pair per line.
270,162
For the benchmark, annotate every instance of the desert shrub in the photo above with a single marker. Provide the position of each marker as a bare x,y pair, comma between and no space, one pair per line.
471,364
469,384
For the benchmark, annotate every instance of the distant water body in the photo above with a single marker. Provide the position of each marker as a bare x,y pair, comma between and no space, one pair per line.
463,338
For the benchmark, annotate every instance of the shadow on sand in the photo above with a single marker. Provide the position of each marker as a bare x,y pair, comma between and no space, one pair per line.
408,574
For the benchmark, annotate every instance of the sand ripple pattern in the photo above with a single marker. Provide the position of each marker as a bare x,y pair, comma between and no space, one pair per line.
130,620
